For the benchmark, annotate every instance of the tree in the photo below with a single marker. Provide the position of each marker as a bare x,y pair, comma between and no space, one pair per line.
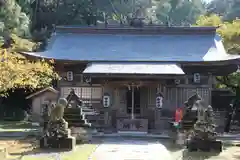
123,10
13,20
218,7
228,9
18,72
63,12
179,12
234,10
230,33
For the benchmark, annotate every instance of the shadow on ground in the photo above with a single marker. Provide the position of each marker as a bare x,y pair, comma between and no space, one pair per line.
15,125
33,148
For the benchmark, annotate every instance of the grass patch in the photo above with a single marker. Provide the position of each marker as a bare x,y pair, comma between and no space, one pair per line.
81,152
11,126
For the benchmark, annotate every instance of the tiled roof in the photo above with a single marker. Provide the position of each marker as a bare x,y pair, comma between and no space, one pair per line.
42,91
169,46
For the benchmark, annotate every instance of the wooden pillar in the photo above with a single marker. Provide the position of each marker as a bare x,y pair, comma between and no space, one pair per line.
210,83
186,80
132,114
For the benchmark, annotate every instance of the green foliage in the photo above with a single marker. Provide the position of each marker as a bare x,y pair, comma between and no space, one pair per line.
179,12
11,114
230,33
65,12
13,20
81,12
228,9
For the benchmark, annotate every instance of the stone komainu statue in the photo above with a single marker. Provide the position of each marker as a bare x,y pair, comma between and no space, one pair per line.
58,111
204,128
189,115
57,134
191,100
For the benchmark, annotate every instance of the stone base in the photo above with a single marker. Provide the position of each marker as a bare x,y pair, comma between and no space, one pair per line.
204,145
62,143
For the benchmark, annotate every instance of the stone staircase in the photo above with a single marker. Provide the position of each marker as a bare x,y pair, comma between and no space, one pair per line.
187,124
219,118
90,116
188,121
81,117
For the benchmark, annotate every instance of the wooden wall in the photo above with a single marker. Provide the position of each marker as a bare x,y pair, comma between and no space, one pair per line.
158,119
174,96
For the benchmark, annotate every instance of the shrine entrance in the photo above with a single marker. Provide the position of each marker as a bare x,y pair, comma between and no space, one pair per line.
134,123
133,102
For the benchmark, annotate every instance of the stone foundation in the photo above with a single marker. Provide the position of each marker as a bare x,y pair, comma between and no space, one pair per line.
204,145
62,143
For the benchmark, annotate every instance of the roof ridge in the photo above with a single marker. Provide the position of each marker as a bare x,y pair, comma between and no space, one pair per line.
153,29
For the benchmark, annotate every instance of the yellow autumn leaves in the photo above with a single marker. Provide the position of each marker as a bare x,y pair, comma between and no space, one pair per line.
18,72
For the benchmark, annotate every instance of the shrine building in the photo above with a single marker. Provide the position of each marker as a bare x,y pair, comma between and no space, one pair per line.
141,74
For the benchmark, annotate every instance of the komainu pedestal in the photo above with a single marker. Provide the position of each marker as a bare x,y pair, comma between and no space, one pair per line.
57,134
204,145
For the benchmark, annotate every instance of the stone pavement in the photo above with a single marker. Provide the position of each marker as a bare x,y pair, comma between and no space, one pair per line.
131,150
137,149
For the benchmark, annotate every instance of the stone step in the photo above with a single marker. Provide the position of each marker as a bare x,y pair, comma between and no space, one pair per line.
90,113
76,116
90,117
187,125
91,121
75,121
87,110
75,124
86,107
72,109
72,112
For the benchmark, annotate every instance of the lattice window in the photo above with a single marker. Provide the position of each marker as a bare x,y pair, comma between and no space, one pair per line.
66,90
83,92
204,93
